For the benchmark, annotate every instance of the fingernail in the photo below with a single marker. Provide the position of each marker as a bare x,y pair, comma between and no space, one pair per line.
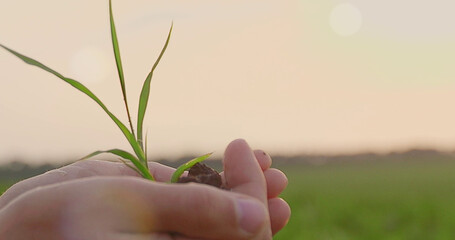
251,215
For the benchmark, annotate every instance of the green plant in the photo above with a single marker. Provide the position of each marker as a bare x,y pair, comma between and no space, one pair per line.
139,159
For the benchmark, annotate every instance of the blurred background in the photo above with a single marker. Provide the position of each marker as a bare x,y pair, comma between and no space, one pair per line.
351,98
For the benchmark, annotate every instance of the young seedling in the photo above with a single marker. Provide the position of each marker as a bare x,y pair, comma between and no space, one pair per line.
139,158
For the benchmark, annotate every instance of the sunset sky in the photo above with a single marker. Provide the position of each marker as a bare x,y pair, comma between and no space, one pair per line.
289,76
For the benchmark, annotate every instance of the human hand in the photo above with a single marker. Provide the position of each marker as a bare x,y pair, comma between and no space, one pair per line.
117,208
276,181
249,172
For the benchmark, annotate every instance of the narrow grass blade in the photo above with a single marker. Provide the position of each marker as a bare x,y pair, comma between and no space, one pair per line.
186,166
129,136
126,155
145,92
118,61
130,166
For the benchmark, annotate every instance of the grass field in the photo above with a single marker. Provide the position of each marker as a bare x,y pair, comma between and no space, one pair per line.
5,185
372,200
384,200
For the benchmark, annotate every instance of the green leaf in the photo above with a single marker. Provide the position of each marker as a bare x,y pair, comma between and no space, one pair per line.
124,154
186,166
145,92
129,136
118,61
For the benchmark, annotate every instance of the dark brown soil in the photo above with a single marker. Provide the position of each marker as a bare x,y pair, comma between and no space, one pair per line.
201,173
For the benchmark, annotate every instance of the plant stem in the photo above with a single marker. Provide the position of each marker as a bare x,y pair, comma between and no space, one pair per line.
128,113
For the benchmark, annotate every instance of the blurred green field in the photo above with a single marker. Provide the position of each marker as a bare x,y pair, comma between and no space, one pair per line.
371,200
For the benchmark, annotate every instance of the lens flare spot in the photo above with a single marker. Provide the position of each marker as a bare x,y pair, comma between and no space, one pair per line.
345,19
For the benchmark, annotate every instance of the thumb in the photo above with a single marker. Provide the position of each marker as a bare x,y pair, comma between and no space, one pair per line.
201,211
133,205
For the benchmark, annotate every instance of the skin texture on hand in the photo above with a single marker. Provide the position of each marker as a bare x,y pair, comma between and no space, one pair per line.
106,200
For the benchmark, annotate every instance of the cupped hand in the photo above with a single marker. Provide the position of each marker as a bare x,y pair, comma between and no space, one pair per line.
118,208
253,176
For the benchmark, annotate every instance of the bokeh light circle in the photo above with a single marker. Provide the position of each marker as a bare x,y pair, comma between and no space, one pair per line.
345,19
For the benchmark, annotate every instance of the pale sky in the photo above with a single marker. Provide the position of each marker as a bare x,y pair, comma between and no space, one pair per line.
293,76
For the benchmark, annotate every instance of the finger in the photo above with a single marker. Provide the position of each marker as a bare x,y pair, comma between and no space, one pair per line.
275,179
280,212
203,206
244,175
276,209
134,205
264,160
242,171
83,169
276,182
